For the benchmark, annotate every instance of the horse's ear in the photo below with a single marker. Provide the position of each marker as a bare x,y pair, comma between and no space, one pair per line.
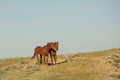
48,45
56,42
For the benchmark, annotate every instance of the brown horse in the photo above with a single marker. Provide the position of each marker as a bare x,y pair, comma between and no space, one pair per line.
43,51
53,52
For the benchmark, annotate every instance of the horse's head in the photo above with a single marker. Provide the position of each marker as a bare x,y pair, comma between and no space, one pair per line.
56,45
53,45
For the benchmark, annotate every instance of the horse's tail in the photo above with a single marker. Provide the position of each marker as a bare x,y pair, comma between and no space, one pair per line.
33,55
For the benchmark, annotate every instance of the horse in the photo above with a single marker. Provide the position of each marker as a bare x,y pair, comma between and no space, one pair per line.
43,51
53,52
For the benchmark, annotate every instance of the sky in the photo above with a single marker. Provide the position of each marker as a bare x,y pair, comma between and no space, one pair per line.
78,25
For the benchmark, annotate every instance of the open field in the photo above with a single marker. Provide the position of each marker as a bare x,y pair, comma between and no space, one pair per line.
99,65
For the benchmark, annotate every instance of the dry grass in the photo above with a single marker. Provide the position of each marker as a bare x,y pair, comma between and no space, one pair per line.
80,66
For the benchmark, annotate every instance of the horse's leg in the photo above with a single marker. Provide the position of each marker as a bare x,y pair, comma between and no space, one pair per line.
55,58
40,58
51,59
46,59
37,58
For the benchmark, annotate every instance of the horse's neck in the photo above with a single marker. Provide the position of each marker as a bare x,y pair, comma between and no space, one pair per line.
46,48
53,50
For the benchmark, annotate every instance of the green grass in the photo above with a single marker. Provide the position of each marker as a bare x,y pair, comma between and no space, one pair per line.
79,66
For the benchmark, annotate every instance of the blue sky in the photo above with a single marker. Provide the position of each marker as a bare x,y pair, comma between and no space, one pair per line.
78,25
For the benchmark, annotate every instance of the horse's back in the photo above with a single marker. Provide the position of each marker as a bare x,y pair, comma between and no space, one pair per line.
38,50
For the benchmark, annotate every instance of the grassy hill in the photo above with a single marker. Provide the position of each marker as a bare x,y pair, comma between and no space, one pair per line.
99,65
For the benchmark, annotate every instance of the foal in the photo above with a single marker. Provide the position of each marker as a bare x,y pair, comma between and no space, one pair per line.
53,55
53,52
